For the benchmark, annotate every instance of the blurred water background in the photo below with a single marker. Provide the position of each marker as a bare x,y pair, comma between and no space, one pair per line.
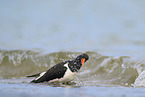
35,35
109,27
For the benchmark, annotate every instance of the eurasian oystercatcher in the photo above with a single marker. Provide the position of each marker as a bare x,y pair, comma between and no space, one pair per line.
62,72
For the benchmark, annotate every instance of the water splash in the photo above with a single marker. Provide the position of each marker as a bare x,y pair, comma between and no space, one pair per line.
99,69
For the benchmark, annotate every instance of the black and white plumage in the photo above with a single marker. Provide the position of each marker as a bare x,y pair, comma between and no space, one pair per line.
62,72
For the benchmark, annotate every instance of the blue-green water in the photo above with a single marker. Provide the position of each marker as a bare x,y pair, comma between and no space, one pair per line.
37,35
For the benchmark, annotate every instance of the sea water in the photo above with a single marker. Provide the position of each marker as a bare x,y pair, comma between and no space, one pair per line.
35,36
101,76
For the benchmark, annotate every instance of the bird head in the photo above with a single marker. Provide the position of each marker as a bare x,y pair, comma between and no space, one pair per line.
82,59
78,62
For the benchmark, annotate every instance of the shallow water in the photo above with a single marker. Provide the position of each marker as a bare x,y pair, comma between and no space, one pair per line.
38,90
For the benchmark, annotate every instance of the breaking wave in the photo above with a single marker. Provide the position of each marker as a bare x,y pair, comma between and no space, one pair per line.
99,69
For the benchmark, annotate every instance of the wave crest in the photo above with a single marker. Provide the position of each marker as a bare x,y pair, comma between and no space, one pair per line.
122,70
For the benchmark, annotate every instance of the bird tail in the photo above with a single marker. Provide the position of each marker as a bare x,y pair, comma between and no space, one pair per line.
34,75
33,81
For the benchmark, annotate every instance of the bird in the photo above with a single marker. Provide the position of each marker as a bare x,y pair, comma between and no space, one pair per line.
61,72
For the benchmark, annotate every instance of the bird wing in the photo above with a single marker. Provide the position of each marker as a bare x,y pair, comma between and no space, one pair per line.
56,72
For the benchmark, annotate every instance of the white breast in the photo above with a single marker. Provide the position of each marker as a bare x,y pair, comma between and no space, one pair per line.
69,75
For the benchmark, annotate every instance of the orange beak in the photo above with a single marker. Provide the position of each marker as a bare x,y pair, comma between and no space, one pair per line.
83,61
